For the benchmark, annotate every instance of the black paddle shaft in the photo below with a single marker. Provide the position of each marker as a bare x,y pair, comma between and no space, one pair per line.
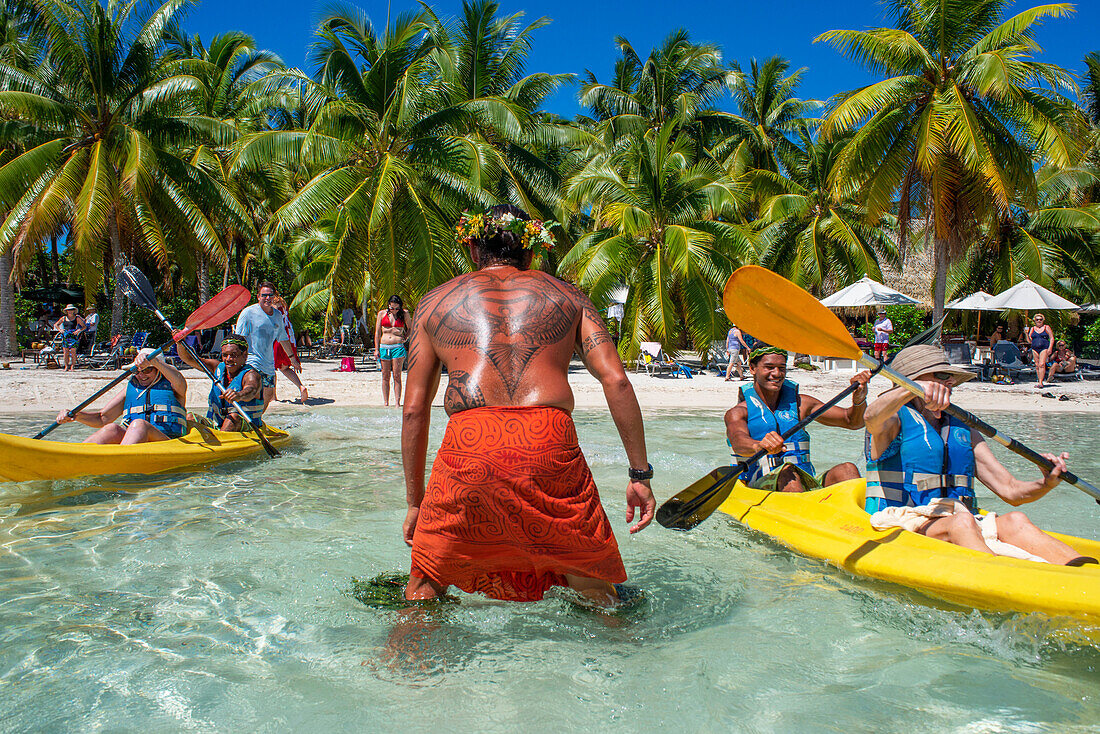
679,514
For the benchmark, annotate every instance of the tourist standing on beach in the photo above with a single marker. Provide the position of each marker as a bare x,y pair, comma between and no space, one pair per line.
71,326
1040,338
391,328
735,343
262,326
883,329
511,509
91,325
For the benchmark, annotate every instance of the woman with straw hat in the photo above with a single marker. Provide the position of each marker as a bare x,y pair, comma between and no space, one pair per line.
71,326
940,456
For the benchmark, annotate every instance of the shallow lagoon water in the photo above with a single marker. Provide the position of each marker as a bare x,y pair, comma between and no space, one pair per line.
218,601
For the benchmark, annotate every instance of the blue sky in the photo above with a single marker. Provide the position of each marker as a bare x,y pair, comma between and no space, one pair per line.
581,34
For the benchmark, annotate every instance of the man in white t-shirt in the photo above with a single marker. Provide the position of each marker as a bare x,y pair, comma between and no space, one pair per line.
883,329
262,326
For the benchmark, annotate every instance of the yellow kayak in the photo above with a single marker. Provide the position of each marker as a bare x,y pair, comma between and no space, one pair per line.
24,459
830,524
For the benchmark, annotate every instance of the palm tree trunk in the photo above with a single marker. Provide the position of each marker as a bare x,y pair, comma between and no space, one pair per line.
204,279
117,300
9,345
939,292
53,260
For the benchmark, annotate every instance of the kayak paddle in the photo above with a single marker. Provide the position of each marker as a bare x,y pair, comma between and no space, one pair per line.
138,289
778,312
218,309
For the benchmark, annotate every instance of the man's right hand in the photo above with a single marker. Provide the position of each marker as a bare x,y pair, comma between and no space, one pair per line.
409,527
772,443
937,396
639,496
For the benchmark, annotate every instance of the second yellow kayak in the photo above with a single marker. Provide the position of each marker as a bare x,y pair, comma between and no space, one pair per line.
830,524
24,459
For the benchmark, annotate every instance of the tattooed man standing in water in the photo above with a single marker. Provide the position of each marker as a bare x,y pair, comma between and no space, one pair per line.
511,509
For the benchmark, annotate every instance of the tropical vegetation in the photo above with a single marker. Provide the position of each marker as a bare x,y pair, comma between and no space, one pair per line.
123,139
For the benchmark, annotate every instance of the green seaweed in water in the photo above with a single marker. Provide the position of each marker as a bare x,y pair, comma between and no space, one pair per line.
387,591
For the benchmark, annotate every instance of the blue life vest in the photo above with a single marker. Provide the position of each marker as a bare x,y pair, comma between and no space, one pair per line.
219,409
763,420
157,404
936,464
885,479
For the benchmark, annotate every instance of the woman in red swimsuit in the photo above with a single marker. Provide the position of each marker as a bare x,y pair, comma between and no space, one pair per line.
390,331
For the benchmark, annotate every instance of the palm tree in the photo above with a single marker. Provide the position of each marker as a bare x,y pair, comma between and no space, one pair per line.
769,114
956,127
656,231
111,115
811,234
679,82
240,88
19,50
1056,244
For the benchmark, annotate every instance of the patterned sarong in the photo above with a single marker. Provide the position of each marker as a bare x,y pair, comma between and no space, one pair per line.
511,507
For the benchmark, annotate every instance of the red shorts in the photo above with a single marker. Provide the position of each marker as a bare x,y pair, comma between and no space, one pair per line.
281,360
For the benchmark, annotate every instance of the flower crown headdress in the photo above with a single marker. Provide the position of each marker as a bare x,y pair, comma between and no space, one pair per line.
533,234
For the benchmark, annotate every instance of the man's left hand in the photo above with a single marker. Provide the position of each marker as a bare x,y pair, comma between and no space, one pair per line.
640,496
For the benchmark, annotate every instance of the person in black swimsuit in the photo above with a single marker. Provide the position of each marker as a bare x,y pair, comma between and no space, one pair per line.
1040,340
71,326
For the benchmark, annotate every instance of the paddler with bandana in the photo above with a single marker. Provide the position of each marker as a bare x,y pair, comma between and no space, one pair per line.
242,384
152,408
770,406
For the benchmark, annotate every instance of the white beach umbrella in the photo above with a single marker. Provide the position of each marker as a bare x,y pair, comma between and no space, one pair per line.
1090,308
867,292
973,302
1028,296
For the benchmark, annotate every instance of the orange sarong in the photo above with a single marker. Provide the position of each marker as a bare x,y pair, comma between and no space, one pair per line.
511,507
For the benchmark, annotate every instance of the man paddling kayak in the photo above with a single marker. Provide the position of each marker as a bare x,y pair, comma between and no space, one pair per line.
928,460
243,384
152,408
511,509
769,407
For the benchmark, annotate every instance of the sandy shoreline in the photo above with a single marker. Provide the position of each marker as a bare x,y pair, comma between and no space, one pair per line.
38,390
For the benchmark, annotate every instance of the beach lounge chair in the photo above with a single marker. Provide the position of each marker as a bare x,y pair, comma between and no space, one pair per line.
1007,360
717,357
110,355
651,358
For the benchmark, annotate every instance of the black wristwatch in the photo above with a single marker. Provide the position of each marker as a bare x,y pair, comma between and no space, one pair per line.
640,475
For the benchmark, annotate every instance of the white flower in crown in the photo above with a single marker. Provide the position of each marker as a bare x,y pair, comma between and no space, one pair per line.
507,218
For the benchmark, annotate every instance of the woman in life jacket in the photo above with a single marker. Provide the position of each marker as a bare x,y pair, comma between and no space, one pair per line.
938,458
391,328
152,408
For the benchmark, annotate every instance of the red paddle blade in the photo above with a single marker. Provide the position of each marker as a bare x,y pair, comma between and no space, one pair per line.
217,310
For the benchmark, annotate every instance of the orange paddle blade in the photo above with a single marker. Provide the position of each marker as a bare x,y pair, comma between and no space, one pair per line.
778,312
218,309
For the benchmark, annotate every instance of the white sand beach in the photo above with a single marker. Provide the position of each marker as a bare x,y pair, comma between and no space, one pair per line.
28,389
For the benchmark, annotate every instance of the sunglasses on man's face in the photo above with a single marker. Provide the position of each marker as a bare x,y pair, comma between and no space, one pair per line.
943,376
146,370
267,295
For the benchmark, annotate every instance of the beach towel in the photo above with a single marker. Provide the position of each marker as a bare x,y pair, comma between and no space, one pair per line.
914,518
511,507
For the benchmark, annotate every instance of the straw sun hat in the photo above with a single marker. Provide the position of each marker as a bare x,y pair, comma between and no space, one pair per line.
70,307
922,359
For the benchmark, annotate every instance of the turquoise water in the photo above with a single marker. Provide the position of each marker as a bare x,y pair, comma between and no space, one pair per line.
218,601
